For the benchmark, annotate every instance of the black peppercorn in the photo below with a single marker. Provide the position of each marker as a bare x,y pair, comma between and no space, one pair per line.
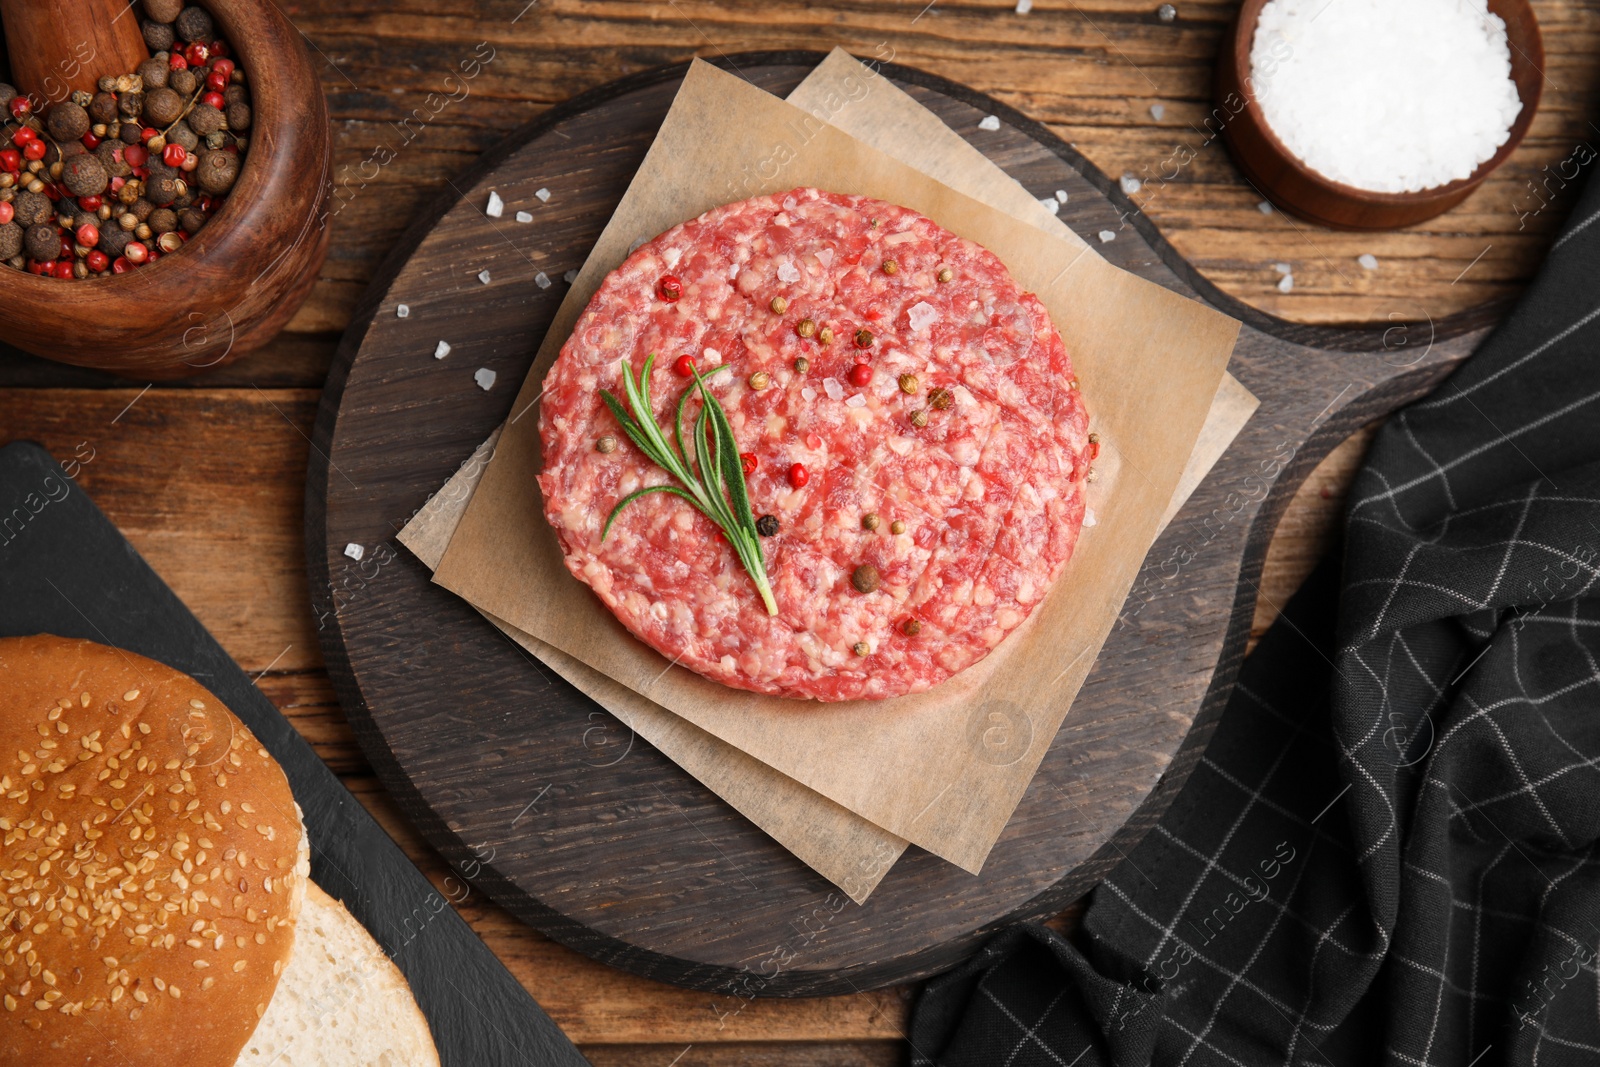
217,172
158,36
67,121
43,242
142,209
72,148
767,525
162,107
238,116
163,10
163,220
155,74
236,94
107,155
865,578
192,219
130,105
163,190
10,240
85,175
193,24
129,133
113,239
205,119
184,81
30,209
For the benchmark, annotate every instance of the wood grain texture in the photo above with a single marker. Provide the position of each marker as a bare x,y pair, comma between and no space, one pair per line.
58,47
1074,66
241,277
633,861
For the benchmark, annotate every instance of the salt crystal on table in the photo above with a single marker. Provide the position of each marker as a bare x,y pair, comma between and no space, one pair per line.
1388,97
403,311
442,351
1286,283
1265,207
1158,112
542,280
1130,184
1107,236
354,551
1282,268
483,276
1061,196
485,378
832,387
1368,261
1024,6
543,195
497,207
1088,517
524,216
1166,12
570,277
990,122
1051,204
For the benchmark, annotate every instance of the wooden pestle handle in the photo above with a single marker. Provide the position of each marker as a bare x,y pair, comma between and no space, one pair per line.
58,46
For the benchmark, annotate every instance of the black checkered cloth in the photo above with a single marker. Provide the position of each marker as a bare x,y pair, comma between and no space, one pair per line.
1388,853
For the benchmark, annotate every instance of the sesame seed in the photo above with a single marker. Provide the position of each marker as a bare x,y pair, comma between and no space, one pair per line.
131,695
238,965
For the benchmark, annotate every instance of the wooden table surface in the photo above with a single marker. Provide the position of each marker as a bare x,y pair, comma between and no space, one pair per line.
206,477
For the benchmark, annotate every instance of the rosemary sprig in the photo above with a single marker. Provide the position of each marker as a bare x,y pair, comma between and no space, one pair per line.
712,481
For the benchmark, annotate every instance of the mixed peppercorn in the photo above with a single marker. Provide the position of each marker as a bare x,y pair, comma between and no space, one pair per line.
109,181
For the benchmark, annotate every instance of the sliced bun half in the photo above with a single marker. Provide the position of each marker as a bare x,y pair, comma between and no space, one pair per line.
152,863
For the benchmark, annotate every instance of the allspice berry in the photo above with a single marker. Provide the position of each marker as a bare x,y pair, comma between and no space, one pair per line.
163,10
185,81
217,172
162,107
103,107
142,209
113,239
163,220
162,190
43,242
85,175
107,155
158,36
182,134
236,94
155,74
194,24
129,132
192,219
8,93
10,240
67,121
238,116
205,119
865,578
30,208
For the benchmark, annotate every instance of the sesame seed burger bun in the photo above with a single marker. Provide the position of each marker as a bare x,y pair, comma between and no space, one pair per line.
155,903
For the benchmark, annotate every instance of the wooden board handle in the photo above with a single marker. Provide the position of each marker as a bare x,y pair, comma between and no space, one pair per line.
59,46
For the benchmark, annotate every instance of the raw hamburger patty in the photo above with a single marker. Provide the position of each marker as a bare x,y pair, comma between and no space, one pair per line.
989,489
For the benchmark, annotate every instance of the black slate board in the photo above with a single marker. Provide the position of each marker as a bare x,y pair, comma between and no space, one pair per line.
65,569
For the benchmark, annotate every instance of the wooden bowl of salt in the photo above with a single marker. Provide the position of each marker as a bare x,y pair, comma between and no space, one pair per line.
246,271
1315,87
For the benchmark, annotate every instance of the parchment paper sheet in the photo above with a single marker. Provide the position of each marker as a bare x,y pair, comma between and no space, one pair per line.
931,768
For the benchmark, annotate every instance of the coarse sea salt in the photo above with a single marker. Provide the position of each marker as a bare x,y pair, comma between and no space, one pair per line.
1391,96
497,207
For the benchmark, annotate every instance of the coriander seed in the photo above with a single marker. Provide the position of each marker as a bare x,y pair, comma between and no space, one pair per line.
780,305
946,274
760,380
806,328
909,384
801,364
919,418
825,335
940,399
606,444
862,648
891,267
897,527
869,521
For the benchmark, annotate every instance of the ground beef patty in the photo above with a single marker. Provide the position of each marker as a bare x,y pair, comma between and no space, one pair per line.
971,433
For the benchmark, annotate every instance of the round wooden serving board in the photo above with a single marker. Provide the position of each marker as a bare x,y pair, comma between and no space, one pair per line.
514,775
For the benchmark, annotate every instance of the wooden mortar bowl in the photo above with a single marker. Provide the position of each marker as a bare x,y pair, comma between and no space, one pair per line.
238,280
1299,190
